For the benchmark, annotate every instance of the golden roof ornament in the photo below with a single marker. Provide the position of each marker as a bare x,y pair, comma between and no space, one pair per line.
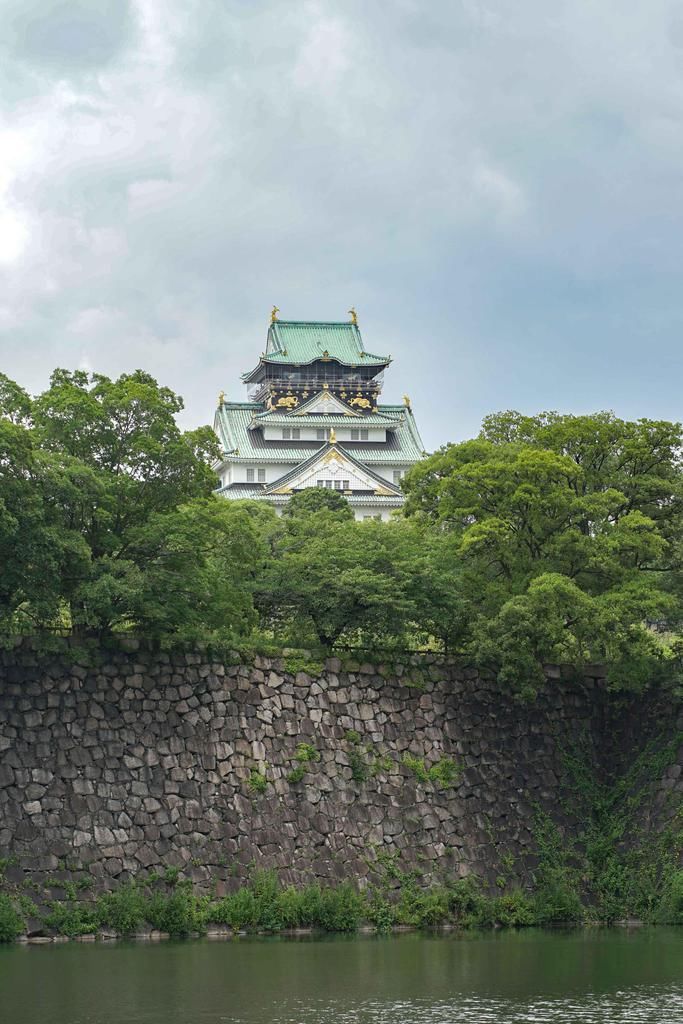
273,314
333,436
354,316
221,397
406,401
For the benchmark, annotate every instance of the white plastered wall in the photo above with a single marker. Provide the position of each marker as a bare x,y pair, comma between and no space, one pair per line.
308,433
333,466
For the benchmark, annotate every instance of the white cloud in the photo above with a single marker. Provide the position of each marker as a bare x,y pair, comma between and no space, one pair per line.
497,188
324,57
472,175
13,234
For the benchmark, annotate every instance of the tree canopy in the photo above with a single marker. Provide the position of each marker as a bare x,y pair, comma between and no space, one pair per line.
567,531
103,506
547,538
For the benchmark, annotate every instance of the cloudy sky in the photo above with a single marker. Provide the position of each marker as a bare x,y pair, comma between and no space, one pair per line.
496,185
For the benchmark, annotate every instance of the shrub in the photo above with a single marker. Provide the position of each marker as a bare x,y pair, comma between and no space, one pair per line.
306,753
238,910
11,923
311,906
72,918
425,908
557,899
379,911
670,909
290,907
123,910
296,663
341,909
434,907
382,763
257,781
513,910
466,902
359,769
417,766
178,913
266,889
444,773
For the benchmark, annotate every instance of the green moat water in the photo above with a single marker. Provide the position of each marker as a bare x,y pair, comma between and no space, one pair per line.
591,976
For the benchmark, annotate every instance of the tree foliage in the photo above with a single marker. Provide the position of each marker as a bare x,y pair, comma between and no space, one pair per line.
567,532
106,513
317,499
547,538
331,578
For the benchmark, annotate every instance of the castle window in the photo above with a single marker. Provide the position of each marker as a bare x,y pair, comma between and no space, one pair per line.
321,435
333,485
293,432
250,476
359,434
398,475
261,476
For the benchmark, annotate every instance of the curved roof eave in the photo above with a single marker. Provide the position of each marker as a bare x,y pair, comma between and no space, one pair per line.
365,360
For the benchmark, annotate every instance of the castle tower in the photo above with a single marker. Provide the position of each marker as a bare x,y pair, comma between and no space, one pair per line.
313,419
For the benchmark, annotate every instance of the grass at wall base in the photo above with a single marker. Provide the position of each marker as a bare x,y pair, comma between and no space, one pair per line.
265,906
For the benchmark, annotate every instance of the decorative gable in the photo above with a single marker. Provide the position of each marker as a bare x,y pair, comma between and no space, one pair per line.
328,404
335,465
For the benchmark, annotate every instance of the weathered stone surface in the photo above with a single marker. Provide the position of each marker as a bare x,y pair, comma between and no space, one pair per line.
154,760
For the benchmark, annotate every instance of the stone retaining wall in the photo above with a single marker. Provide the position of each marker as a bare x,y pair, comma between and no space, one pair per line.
152,760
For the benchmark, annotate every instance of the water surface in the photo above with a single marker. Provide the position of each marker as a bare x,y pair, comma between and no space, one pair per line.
577,977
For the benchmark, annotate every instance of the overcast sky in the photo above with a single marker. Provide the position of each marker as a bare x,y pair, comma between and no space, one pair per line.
496,186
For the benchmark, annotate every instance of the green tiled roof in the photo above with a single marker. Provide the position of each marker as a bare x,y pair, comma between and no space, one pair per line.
300,342
242,490
321,419
241,444
236,491
303,341
295,470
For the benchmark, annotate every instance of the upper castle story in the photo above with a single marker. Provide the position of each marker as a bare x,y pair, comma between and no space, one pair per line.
314,418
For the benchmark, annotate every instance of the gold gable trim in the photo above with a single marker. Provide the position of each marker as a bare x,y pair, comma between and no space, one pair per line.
328,398
339,458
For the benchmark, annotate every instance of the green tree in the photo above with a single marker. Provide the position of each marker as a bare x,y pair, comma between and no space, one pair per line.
434,583
332,578
316,499
187,573
123,462
126,432
38,548
107,520
566,532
